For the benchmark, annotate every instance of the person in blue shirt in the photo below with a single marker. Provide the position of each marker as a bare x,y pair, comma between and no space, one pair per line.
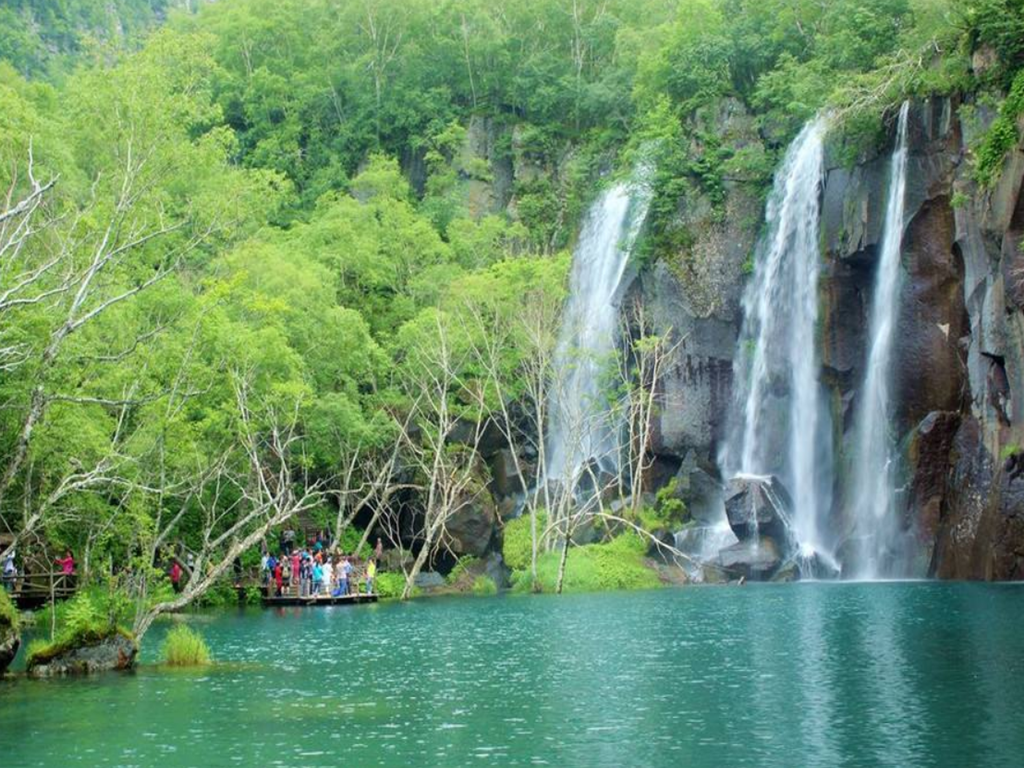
318,578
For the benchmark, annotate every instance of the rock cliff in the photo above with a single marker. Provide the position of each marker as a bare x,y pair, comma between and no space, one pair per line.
959,376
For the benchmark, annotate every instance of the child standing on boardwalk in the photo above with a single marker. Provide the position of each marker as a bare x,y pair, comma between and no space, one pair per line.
371,574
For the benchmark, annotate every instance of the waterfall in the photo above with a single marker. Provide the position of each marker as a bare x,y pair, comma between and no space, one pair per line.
581,427
875,524
780,425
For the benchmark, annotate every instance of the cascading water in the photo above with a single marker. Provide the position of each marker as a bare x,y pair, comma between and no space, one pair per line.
781,426
580,428
875,525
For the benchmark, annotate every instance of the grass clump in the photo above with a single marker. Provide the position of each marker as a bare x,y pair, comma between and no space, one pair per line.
184,647
615,565
464,564
484,586
517,544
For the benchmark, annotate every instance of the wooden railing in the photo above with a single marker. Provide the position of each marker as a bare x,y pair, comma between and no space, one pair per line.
36,588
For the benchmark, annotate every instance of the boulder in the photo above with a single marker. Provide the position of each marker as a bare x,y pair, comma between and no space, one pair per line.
506,479
470,530
754,559
116,652
429,580
699,491
761,500
660,539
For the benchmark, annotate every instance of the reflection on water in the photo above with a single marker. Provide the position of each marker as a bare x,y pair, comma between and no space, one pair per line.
809,674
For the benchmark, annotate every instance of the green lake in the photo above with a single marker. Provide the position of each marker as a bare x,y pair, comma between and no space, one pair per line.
817,674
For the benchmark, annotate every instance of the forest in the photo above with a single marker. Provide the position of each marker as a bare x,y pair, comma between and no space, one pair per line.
265,262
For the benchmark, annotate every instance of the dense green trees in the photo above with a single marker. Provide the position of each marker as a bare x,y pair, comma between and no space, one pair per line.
231,245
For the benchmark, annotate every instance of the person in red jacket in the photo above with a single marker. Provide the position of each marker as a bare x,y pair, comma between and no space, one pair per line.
176,576
278,577
67,567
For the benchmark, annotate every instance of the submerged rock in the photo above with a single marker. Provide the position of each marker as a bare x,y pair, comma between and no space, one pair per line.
116,652
754,559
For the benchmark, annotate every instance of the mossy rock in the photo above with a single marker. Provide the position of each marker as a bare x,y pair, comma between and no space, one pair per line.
85,654
10,634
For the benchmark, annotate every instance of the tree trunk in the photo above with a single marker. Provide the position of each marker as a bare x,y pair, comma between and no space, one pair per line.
561,565
417,566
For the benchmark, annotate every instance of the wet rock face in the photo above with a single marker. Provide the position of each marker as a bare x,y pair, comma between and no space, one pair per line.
928,455
114,653
982,535
754,560
929,375
695,293
958,380
760,500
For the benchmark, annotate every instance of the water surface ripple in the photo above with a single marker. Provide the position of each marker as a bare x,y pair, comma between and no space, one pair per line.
829,674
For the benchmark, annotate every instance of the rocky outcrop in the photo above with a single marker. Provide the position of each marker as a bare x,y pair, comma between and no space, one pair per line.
10,642
759,510
10,635
116,652
754,559
758,506
471,529
959,379
694,297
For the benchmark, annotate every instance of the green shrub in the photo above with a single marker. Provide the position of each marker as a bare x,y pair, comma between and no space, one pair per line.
617,565
517,544
1001,137
350,539
484,585
253,595
8,612
220,595
184,647
389,585
461,567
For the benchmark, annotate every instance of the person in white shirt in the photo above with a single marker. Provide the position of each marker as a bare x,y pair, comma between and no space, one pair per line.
328,576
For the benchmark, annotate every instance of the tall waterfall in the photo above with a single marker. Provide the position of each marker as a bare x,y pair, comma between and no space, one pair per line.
780,425
875,524
581,427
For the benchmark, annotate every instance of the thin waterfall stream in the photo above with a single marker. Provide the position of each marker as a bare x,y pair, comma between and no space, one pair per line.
780,425
581,427
876,529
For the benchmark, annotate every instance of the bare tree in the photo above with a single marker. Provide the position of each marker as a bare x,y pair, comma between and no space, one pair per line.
238,506
640,370
442,445
516,398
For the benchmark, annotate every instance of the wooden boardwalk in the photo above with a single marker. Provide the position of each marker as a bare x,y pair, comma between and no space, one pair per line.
314,600
36,589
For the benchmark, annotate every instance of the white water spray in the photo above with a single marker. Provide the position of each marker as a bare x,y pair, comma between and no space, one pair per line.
581,428
875,524
781,426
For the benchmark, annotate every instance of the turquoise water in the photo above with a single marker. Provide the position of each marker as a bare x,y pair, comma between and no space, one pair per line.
916,674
